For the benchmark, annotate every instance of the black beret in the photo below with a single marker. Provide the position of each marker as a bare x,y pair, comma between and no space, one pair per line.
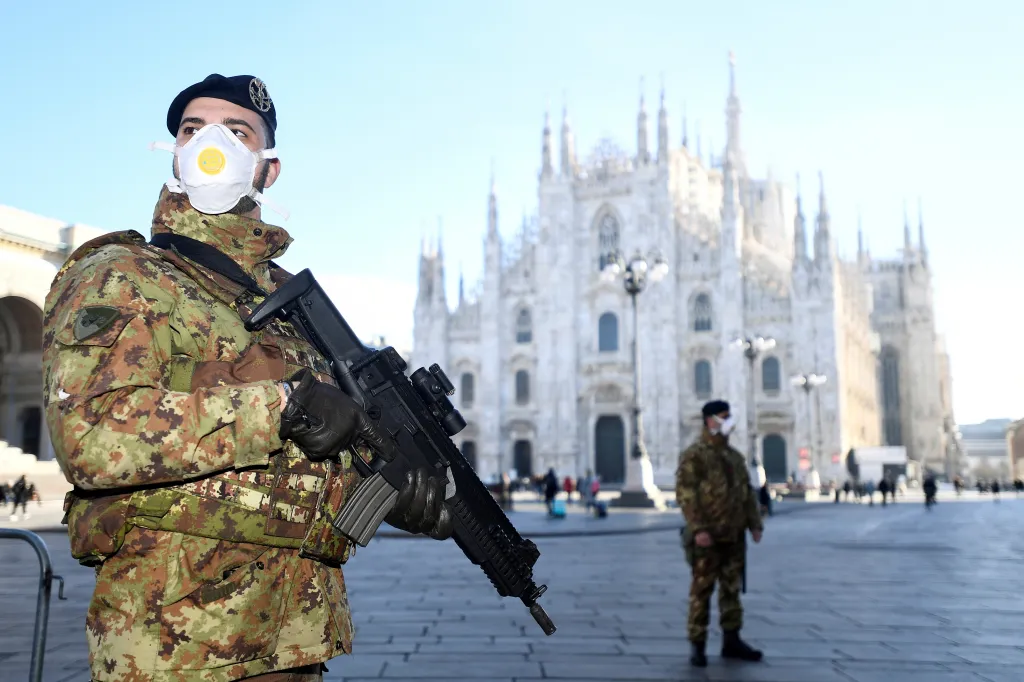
714,407
245,91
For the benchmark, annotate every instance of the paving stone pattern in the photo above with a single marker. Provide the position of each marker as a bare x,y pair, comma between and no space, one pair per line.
844,593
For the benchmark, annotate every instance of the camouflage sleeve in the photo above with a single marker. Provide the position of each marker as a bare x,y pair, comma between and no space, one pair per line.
687,492
113,422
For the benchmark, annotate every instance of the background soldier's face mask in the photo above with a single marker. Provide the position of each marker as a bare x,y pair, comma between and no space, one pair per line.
725,426
217,170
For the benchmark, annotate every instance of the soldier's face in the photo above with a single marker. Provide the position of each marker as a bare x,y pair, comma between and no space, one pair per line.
244,124
714,422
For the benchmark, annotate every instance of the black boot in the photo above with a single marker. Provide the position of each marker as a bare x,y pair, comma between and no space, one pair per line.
698,658
734,647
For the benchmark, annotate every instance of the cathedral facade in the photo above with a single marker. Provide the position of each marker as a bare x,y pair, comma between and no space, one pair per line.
541,351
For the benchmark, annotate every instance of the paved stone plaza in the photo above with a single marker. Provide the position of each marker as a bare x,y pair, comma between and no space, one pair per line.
836,593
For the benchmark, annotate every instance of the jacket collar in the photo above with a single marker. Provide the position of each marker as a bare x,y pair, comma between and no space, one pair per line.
250,243
713,440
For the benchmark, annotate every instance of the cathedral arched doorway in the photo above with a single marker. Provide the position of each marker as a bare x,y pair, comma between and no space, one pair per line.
773,456
522,458
610,449
21,377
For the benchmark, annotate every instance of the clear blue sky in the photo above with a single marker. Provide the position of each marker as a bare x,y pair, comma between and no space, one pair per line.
390,116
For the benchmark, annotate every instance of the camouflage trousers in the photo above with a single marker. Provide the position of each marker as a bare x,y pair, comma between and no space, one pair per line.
721,563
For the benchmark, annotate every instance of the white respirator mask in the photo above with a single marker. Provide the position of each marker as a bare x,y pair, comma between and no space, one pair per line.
217,170
725,426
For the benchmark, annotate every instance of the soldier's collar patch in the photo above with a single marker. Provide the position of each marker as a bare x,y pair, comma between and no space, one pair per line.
94,319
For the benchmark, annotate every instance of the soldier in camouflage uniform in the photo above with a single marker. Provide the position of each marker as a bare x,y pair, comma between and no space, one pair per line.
714,492
207,461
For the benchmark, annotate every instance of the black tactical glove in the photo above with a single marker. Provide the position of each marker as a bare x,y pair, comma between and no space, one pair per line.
420,507
322,420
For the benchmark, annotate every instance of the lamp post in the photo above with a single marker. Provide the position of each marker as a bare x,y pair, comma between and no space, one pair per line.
752,348
639,489
809,382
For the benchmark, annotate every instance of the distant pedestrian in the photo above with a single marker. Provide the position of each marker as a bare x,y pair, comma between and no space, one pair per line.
995,490
21,493
930,489
550,486
846,490
883,487
505,491
869,491
764,497
568,487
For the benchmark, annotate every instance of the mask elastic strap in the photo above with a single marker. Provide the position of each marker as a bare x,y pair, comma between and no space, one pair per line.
267,154
174,186
164,146
260,199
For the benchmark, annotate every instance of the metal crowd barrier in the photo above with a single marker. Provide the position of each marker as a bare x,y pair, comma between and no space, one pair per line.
46,578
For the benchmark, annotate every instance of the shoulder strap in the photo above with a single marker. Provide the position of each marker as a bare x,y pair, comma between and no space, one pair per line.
208,257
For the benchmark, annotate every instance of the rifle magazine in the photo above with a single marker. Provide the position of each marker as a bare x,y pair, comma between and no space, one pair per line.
363,513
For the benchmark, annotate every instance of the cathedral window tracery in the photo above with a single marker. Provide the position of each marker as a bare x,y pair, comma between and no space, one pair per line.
608,333
702,379
891,424
607,239
771,375
524,326
522,387
467,386
702,313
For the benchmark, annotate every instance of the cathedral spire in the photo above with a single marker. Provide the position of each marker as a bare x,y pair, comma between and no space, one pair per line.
662,127
547,154
438,274
462,295
568,167
860,238
822,233
700,156
908,246
643,154
799,229
732,210
440,236
492,207
686,139
732,113
920,233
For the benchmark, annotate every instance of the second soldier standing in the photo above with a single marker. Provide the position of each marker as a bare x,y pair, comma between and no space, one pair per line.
714,492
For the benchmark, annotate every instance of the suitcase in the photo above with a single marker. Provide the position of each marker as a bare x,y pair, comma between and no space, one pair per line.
558,508
601,509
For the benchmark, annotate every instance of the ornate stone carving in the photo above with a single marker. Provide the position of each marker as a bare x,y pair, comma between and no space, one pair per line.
608,394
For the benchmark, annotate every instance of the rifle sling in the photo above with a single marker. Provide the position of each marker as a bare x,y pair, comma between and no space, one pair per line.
208,257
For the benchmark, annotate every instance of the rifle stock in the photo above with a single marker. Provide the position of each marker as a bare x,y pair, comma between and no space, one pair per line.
420,419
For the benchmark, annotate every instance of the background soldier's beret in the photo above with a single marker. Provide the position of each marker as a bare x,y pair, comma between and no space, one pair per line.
714,407
245,91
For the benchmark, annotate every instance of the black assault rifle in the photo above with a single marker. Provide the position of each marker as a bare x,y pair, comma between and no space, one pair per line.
420,419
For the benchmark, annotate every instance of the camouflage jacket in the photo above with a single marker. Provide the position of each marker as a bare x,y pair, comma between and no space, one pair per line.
713,490
195,505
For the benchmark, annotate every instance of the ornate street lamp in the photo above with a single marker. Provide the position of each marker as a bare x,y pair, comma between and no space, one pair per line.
752,348
809,382
639,490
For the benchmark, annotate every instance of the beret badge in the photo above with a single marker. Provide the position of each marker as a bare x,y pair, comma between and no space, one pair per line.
259,95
